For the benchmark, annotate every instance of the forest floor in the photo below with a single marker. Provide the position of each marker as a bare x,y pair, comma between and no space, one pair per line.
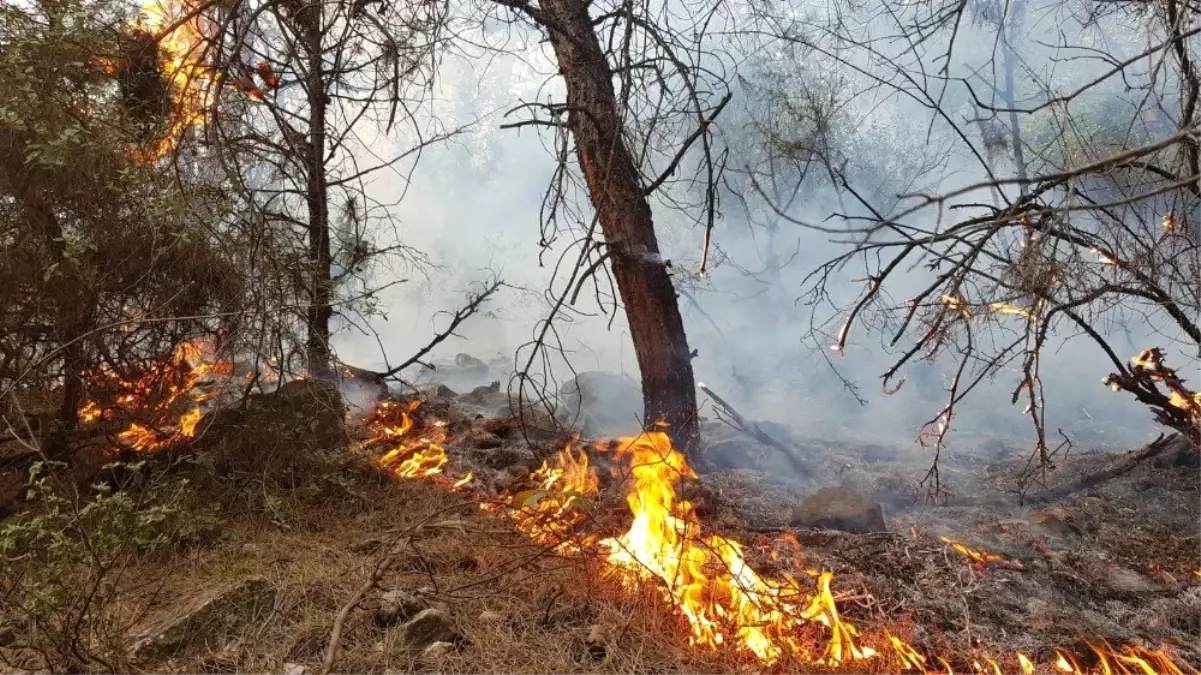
1117,562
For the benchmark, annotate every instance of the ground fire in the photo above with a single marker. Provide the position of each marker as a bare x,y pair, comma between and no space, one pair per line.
722,601
705,577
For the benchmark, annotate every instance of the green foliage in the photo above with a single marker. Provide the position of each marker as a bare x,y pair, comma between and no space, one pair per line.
62,560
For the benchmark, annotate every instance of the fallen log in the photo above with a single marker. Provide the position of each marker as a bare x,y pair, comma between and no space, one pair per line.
736,420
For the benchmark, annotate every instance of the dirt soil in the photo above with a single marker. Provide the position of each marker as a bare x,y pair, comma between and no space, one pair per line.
1117,562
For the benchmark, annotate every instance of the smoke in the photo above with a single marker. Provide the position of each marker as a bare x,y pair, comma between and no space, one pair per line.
473,206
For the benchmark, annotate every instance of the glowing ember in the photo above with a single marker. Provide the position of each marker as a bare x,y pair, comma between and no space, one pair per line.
1104,256
973,554
1002,308
956,304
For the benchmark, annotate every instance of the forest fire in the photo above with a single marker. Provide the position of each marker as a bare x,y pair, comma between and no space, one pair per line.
156,396
182,42
705,577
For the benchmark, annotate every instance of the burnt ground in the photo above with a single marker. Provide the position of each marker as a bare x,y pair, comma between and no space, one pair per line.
1113,562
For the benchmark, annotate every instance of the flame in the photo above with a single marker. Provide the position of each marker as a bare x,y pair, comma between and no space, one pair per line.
1003,308
154,397
974,554
191,79
417,458
185,37
956,303
1105,257
706,577
550,513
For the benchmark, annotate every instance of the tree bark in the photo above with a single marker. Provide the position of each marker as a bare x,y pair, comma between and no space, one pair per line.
317,197
618,196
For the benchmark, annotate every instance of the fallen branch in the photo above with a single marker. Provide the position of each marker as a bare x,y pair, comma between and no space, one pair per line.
473,304
381,566
752,429
1152,449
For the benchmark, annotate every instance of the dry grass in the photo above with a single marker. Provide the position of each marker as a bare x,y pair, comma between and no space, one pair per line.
549,605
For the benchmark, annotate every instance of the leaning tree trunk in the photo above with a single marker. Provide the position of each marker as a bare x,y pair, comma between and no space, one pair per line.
317,196
617,194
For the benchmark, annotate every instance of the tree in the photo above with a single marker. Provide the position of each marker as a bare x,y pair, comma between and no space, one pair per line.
105,263
295,96
614,134
1093,226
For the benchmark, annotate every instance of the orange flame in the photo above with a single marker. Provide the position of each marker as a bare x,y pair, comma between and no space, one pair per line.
705,577
1003,308
956,303
973,554
156,395
418,458
182,57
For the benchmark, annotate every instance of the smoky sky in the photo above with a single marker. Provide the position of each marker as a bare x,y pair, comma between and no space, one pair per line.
473,207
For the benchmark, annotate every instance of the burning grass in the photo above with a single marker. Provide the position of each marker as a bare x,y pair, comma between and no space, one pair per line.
582,582
708,582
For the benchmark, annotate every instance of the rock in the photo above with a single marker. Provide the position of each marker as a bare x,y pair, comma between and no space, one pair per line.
1053,520
295,669
469,363
436,391
610,403
426,628
436,651
502,457
208,617
1178,453
1129,582
366,545
280,434
396,606
596,642
481,439
838,508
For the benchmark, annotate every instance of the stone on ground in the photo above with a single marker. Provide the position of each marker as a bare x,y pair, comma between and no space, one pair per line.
429,626
606,403
208,617
837,508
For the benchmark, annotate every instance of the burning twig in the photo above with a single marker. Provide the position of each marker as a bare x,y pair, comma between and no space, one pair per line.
752,429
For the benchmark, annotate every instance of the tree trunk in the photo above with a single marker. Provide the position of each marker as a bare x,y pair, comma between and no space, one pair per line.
617,194
320,291
1015,126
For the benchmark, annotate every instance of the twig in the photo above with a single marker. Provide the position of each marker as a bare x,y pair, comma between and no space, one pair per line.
335,635
752,429
473,304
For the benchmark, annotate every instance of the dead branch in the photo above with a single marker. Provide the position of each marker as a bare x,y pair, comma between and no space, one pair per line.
381,566
752,429
474,302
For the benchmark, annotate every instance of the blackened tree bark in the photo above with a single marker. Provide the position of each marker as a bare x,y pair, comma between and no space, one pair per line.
624,213
317,199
